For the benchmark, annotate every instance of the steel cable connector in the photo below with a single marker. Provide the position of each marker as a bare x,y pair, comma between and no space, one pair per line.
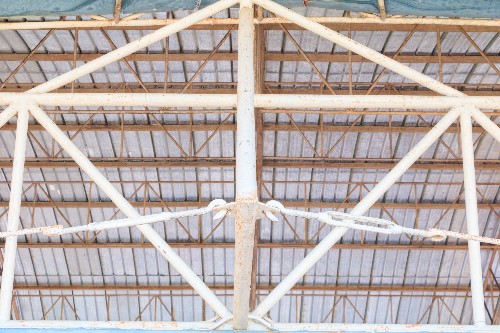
373,224
58,230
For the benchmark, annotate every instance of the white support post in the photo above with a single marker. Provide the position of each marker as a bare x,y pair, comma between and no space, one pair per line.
155,239
246,172
322,248
16,191
475,263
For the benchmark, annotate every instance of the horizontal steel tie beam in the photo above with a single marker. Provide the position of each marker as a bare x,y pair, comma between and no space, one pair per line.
269,23
254,326
383,328
143,111
260,100
309,204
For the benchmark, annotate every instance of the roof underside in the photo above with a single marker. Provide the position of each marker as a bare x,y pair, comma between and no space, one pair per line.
446,8
149,289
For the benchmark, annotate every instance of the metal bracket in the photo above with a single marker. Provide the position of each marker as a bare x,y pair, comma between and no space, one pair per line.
253,207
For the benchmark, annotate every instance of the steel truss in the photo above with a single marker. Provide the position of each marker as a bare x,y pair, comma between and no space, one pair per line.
247,209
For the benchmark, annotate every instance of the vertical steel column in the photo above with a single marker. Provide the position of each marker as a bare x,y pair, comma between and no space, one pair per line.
246,168
16,190
476,273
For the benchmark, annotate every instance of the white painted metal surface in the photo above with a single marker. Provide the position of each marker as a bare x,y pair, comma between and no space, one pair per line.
254,327
476,272
246,164
260,100
7,114
131,23
246,207
486,123
16,190
370,328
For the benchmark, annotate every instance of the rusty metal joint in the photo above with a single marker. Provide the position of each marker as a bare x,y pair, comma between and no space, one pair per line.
244,207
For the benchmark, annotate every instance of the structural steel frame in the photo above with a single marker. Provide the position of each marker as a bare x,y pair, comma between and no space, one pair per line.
247,209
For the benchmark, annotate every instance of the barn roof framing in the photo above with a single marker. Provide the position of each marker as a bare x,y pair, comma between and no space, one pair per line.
292,127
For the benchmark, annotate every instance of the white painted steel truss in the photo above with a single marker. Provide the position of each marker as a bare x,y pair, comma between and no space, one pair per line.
247,209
